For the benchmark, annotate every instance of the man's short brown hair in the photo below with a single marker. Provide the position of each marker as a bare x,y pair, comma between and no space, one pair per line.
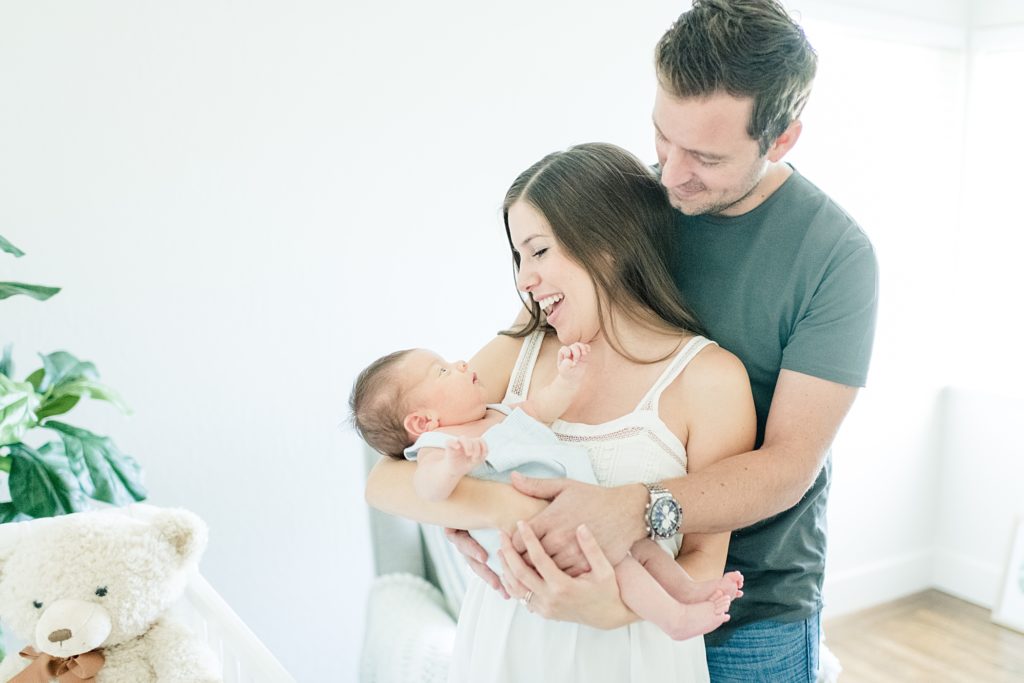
746,48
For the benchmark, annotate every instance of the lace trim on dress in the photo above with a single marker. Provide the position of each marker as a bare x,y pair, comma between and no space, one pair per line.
523,371
610,436
674,454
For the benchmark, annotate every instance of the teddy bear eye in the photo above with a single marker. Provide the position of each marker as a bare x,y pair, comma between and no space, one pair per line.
37,604
101,591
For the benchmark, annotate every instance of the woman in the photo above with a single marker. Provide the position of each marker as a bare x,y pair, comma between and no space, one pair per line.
586,227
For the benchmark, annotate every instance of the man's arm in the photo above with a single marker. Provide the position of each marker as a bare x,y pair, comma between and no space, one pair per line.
735,492
805,415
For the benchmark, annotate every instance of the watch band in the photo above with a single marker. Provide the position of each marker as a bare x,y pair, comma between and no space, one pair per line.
663,514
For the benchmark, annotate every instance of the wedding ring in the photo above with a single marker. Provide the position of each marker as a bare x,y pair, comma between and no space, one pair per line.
526,599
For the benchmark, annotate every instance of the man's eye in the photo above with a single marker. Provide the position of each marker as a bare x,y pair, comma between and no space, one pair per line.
708,164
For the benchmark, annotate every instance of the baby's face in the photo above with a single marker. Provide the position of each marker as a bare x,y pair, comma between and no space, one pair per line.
451,390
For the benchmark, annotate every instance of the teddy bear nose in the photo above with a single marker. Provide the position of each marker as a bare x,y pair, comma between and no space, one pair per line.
60,635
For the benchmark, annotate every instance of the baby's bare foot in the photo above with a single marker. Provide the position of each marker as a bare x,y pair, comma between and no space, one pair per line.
697,619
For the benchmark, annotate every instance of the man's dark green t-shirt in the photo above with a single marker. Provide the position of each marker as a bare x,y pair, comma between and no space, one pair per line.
790,285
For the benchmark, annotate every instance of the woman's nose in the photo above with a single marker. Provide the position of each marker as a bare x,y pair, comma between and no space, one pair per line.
525,279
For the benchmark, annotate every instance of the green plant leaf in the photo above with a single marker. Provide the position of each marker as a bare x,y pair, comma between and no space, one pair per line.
38,292
61,367
6,364
10,248
114,477
36,378
57,406
18,402
42,484
9,513
87,388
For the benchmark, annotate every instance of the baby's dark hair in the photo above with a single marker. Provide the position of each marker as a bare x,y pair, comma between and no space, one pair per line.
377,406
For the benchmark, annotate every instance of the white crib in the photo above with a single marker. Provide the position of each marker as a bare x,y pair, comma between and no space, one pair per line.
244,658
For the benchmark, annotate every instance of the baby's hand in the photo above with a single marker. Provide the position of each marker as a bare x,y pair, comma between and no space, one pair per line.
465,453
572,360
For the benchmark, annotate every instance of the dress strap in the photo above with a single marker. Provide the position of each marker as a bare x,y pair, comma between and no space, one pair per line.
678,364
522,373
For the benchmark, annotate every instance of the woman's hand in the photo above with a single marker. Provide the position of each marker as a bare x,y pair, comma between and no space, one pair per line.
591,598
510,506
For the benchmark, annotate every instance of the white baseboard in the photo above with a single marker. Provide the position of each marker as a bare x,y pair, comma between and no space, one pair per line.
877,583
870,585
967,578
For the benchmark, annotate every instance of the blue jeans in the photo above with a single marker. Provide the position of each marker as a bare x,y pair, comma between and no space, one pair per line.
768,651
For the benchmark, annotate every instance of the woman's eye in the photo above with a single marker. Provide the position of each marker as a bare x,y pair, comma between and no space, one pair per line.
539,253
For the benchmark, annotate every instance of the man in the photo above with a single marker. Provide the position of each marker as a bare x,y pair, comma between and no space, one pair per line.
781,277
784,279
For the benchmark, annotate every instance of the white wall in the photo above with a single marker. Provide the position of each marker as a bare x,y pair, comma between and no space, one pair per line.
248,202
979,492
181,169
982,456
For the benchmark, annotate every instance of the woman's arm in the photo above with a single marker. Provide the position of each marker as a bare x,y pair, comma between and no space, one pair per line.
473,504
714,395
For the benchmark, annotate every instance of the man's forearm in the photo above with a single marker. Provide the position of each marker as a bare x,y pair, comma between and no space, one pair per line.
743,489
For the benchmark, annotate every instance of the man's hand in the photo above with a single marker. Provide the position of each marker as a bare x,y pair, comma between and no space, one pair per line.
476,558
614,515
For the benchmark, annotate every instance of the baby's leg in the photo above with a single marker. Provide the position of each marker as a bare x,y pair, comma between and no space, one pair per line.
676,581
648,599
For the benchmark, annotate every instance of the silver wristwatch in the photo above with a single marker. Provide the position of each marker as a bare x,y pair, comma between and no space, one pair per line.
663,515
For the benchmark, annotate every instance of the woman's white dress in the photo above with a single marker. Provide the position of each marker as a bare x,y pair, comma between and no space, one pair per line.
500,641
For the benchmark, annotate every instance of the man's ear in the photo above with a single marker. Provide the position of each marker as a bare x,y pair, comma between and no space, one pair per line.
785,142
419,422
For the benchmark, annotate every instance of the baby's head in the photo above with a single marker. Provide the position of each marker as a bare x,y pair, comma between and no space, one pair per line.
406,393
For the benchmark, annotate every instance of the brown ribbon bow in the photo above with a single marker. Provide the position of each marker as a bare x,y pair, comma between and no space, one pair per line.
45,668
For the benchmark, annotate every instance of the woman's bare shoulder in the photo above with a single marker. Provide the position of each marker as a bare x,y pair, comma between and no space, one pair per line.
713,366
713,377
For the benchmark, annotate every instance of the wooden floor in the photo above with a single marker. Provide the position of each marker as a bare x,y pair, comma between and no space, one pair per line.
929,637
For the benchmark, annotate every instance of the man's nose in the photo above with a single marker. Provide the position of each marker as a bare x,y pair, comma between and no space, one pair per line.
677,169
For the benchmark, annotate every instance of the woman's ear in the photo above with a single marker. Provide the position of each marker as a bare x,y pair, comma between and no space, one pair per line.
419,422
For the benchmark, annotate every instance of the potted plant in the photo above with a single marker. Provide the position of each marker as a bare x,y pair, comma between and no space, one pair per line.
72,467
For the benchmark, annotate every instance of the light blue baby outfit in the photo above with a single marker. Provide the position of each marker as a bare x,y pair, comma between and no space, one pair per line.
522,444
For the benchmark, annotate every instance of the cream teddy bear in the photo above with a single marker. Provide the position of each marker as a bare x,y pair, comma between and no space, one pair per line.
91,590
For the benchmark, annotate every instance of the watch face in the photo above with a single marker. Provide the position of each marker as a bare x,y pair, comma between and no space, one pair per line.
665,517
